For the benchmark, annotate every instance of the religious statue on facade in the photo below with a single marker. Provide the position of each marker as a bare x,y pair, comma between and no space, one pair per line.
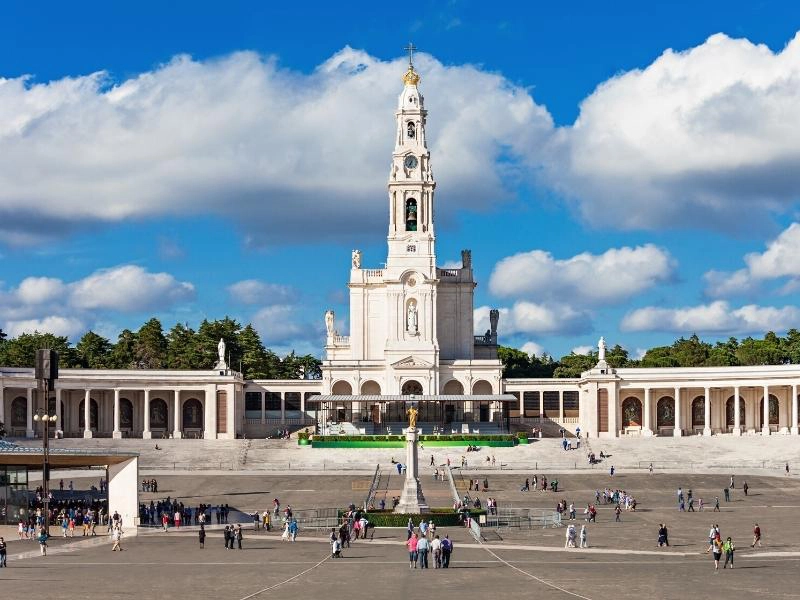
601,349
494,317
221,350
466,259
412,417
356,259
329,320
411,318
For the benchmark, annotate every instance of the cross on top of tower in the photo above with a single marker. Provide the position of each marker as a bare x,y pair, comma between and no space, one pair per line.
410,49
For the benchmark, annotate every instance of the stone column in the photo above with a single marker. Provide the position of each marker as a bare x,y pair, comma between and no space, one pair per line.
678,430
263,407
283,408
412,500
2,403
561,406
737,417
117,433
793,429
647,426
765,416
176,421
29,414
59,415
707,412
87,422
146,433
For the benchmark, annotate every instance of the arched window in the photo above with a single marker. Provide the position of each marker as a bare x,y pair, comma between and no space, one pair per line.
370,387
125,414
665,412
342,388
453,388
699,411
411,130
773,410
411,214
193,414
729,412
412,388
158,414
631,412
19,412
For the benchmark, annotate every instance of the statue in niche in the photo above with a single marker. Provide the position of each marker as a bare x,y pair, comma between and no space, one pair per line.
601,349
466,259
494,317
411,318
329,320
356,259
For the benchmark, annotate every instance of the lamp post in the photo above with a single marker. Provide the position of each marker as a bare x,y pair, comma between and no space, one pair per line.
46,419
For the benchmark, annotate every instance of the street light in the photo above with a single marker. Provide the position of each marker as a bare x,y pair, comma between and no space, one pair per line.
41,415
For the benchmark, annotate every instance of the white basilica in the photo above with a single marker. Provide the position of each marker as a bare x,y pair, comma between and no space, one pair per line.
411,340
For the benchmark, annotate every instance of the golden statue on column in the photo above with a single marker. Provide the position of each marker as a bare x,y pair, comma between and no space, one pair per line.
412,417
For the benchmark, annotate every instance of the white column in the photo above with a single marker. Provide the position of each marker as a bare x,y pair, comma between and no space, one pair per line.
283,408
176,425
116,434
59,415
678,431
765,416
87,422
707,412
737,417
146,433
647,427
561,406
793,425
263,407
29,414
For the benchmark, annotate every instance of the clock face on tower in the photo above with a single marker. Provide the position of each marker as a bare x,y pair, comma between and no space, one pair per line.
410,162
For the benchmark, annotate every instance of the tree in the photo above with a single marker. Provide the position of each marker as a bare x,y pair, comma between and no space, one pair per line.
93,351
659,357
760,352
257,362
151,346
208,336
572,365
123,355
691,352
617,357
182,350
792,346
21,350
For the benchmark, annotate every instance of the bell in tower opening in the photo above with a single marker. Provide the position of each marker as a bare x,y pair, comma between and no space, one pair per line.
412,131
411,214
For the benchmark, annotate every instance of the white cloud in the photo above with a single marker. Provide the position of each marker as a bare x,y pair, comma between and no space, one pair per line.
280,324
40,290
716,317
532,348
241,137
129,288
584,279
57,325
780,260
253,291
582,350
705,138
531,318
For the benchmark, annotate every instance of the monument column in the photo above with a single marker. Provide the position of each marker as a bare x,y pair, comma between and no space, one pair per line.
263,407
647,429
176,421
87,413
678,429
412,501
737,416
707,412
765,416
116,434
29,414
793,425
146,433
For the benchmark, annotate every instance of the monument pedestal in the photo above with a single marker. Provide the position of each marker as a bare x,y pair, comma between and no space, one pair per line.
412,500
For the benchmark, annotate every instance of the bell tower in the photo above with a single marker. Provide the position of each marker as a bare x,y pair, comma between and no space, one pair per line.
411,186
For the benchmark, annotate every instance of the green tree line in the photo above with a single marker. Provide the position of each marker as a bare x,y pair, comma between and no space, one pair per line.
772,349
150,347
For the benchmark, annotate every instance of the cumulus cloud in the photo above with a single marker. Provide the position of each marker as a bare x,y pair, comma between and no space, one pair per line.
531,318
253,291
50,304
704,138
716,317
582,350
584,279
532,348
281,324
781,260
241,137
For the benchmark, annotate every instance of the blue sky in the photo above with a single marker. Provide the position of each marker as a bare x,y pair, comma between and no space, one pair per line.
227,157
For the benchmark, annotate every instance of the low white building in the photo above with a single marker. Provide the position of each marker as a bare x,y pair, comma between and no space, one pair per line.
411,339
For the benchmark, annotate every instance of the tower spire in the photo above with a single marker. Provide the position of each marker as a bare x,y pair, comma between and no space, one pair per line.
410,49
410,77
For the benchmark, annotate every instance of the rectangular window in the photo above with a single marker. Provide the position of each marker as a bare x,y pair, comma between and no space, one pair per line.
530,401
551,404
571,403
273,401
292,400
252,401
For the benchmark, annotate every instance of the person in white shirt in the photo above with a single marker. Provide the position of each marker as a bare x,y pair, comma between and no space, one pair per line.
436,550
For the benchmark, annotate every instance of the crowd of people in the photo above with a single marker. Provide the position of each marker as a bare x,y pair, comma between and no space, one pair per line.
173,513
425,546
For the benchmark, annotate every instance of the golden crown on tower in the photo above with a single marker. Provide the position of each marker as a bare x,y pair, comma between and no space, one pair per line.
411,77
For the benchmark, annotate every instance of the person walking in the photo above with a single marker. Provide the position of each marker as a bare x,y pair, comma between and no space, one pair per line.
728,548
239,536
411,544
423,545
436,551
116,538
202,536
745,487
584,537
226,533
716,504
447,550
42,541
3,550
756,536
292,530
731,483
617,513
787,469
715,547
727,493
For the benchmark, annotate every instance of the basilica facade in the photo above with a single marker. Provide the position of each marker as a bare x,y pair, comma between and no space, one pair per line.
411,340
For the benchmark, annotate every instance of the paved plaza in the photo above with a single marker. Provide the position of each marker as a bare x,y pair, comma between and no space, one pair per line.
622,560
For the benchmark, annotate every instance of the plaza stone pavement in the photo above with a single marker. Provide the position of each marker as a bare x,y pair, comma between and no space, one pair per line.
623,561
